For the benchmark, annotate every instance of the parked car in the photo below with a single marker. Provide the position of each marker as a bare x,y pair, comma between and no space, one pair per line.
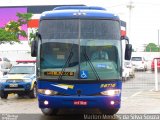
139,63
5,63
128,70
21,80
158,64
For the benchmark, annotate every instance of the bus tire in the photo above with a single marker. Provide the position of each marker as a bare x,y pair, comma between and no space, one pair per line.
3,95
109,111
33,92
49,111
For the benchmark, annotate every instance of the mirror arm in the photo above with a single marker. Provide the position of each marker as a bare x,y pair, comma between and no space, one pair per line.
125,38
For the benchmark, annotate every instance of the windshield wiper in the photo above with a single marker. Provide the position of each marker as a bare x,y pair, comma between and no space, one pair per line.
91,65
67,62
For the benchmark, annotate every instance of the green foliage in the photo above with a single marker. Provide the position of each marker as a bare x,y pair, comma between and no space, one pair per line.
24,18
11,32
152,47
7,37
32,35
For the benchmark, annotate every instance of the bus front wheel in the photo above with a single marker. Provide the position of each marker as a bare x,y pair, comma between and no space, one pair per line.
109,111
49,111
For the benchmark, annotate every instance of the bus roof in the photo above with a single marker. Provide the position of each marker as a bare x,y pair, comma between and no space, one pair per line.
78,12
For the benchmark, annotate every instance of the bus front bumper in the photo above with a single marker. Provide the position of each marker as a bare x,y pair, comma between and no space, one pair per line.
58,102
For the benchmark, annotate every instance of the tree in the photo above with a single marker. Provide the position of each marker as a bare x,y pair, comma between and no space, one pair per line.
152,47
11,32
32,35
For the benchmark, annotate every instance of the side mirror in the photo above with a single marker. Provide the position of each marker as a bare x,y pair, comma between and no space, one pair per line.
34,47
38,35
128,51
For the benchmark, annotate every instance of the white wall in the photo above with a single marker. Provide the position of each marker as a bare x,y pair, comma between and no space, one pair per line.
17,51
17,55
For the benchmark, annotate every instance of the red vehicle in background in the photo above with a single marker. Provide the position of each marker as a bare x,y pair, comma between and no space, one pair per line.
158,64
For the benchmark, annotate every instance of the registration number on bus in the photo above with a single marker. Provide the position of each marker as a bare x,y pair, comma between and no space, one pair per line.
80,102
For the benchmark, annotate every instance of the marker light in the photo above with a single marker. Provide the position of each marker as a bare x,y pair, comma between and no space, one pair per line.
46,102
111,92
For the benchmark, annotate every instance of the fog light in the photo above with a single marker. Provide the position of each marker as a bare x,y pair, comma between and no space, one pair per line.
46,102
112,102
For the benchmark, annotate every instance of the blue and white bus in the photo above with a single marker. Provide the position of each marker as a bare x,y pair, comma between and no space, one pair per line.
79,59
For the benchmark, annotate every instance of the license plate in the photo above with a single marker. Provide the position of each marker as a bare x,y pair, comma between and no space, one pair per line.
13,85
80,102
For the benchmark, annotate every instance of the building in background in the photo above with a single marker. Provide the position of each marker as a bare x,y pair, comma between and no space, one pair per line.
8,13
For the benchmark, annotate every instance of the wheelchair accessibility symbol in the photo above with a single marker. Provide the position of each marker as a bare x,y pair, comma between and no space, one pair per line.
84,74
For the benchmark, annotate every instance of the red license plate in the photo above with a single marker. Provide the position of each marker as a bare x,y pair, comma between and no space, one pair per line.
80,102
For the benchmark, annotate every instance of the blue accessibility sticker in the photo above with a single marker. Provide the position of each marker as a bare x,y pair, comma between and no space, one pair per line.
83,74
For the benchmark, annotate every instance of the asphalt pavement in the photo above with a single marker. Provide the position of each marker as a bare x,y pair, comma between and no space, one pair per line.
138,97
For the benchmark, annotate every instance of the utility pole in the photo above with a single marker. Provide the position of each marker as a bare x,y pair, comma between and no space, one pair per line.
130,6
158,40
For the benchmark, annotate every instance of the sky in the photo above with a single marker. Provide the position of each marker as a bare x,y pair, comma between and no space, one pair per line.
143,21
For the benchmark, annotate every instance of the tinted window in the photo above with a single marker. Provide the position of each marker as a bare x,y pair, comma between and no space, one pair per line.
59,29
85,29
100,29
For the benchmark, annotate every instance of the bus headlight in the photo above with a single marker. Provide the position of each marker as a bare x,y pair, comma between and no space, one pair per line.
111,92
47,92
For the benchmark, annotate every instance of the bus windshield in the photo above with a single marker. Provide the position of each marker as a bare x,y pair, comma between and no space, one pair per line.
80,49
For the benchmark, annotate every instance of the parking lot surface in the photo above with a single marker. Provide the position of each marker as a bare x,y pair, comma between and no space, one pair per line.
138,97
